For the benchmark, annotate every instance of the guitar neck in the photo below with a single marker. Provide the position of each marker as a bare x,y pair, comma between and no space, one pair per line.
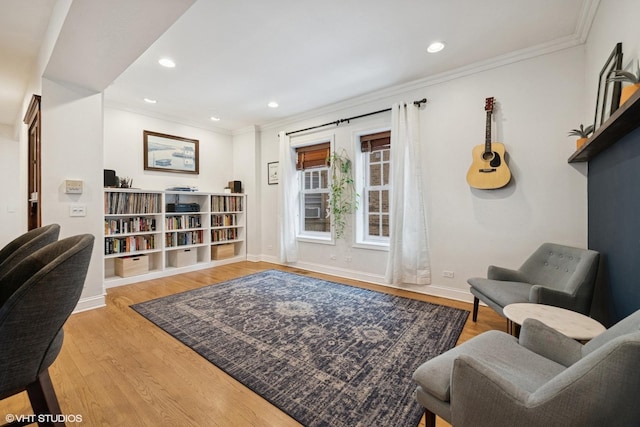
487,137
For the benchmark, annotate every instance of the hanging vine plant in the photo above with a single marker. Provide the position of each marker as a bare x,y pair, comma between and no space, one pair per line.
343,199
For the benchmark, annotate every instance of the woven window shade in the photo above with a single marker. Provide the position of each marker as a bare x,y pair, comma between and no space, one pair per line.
313,156
375,141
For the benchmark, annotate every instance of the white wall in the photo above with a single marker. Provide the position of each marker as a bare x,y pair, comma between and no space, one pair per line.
537,101
11,213
615,21
72,128
123,152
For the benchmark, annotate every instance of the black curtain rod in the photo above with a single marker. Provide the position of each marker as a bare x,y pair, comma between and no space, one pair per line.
337,122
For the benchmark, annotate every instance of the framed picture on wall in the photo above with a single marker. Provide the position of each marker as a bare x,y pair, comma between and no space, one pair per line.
169,153
608,99
272,173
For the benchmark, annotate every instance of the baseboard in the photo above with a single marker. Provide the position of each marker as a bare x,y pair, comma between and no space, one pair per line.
376,279
90,303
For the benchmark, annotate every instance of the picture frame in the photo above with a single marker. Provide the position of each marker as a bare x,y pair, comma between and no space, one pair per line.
170,153
272,173
608,99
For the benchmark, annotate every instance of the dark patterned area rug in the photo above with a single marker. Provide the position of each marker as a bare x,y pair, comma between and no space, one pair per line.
325,353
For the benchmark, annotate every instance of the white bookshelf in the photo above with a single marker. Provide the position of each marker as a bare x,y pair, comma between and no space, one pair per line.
146,223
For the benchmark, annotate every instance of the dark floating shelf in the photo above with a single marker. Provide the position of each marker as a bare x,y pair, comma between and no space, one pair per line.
624,120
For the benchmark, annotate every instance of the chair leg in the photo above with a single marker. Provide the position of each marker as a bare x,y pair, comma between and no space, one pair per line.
44,401
476,303
429,418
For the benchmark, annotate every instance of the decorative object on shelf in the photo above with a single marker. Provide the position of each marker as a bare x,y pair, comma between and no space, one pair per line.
169,153
125,182
583,133
343,199
272,173
489,169
608,99
628,77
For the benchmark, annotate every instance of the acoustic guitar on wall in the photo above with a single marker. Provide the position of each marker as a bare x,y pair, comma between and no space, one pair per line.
489,169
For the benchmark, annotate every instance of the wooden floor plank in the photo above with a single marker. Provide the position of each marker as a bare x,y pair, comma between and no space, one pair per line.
116,368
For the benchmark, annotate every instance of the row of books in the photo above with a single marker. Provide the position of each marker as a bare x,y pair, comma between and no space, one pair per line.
226,204
131,203
222,220
183,238
118,245
129,225
224,235
182,221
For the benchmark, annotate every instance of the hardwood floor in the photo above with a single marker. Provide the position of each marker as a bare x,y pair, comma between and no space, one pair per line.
117,369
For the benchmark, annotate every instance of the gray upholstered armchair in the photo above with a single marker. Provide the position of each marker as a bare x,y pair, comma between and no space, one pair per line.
25,244
36,298
558,275
542,379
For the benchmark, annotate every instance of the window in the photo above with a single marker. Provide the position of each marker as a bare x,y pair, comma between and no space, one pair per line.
314,192
373,224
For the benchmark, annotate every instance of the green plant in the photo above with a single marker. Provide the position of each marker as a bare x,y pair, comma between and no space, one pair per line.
626,76
343,198
582,132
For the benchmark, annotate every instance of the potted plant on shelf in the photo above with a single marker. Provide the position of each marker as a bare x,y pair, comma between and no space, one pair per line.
629,77
343,199
583,134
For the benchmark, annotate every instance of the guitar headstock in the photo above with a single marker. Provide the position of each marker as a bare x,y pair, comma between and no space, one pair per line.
488,104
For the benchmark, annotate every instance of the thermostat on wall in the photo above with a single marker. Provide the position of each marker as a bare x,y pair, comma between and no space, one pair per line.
73,186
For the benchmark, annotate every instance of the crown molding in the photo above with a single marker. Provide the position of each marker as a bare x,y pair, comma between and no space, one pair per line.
168,118
425,82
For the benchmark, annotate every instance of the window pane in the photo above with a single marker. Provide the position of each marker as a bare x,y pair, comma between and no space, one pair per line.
375,172
324,178
386,155
374,201
385,226
315,205
374,225
385,201
385,173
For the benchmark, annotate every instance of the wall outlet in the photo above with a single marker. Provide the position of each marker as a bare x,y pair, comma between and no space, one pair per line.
348,259
332,257
448,274
78,210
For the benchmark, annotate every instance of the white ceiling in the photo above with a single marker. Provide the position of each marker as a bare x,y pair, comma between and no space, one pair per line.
233,57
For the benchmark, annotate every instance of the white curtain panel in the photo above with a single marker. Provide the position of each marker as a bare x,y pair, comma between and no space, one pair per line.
287,201
408,260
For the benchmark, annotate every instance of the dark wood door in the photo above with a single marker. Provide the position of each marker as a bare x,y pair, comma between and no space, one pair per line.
32,120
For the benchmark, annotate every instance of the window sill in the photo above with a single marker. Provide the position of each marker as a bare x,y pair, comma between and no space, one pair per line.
372,246
313,239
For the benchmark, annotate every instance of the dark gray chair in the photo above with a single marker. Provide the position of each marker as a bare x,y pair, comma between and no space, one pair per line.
558,275
25,244
542,379
36,298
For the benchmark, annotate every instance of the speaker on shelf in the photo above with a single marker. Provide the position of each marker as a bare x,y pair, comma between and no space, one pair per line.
110,179
235,186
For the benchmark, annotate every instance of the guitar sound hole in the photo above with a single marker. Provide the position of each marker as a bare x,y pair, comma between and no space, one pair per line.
487,155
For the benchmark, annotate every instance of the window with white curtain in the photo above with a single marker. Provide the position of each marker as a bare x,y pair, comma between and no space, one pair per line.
374,177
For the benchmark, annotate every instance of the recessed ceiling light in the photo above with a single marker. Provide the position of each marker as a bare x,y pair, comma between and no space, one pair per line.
150,101
272,104
435,47
215,119
166,62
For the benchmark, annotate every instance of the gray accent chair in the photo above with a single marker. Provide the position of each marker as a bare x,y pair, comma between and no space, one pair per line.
36,298
542,379
558,275
25,244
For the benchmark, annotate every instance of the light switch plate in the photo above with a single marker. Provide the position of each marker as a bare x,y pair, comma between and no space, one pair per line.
73,186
